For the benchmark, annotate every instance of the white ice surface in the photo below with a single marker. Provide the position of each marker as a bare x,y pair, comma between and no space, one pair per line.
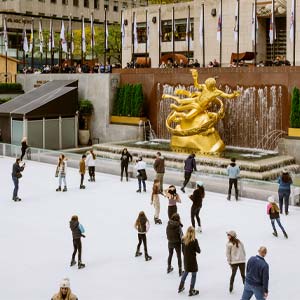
36,242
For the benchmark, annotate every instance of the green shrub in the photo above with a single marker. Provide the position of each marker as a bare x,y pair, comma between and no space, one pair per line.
85,107
11,86
295,109
3,100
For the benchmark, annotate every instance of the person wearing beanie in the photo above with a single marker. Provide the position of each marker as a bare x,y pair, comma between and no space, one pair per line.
233,172
189,167
273,212
77,232
82,171
64,292
284,191
236,257
197,198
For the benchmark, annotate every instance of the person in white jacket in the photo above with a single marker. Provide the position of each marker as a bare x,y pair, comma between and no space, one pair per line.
141,174
61,172
91,163
236,257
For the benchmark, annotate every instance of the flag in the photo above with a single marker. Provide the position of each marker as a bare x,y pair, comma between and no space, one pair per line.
123,30
83,36
148,31
31,37
5,37
71,37
72,42
62,38
272,33
173,25
135,38
41,38
201,35
92,32
236,21
25,41
219,28
292,24
254,23
51,43
106,34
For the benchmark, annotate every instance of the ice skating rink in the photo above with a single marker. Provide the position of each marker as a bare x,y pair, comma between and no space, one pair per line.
36,242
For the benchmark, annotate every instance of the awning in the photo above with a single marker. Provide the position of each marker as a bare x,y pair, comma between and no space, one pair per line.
242,56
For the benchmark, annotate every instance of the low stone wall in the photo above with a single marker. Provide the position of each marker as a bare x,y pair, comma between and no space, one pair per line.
290,146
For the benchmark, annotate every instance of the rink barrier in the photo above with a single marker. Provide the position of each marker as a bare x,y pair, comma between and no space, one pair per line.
248,188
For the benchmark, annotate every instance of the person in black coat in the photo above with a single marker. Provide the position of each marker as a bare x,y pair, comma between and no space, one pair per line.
197,198
189,167
174,235
190,249
24,147
125,158
16,175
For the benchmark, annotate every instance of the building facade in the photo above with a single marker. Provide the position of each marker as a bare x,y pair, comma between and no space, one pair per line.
155,31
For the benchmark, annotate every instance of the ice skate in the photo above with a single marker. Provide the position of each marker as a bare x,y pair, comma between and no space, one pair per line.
157,221
144,190
228,197
82,187
58,189
65,189
180,272
138,191
275,234
193,292
170,269
230,288
285,235
81,265
181,287
73,263
183,190
199,229
148,257
137,254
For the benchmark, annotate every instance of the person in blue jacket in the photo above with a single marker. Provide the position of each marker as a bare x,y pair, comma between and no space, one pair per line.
284,191
257,277
233,172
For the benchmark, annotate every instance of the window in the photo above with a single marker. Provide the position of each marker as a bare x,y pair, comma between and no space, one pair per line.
141,33
116,8
75,2
41,0
180,31
53,1
64,2
96,4
86,3
106,6
124,5
166,30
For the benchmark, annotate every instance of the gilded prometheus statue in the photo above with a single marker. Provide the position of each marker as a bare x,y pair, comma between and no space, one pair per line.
195,124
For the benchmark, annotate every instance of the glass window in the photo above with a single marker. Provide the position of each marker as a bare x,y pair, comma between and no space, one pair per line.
96,4
64,2
166,30
75,2
180,30
116,8
141,33
106,6
53,1
86,3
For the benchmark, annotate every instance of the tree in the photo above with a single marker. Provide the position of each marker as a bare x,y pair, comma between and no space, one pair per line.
295,109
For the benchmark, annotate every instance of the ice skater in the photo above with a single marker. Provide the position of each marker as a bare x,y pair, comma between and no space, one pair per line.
142,226
17,169
126,157
284,191
190,249
141,174
159,167
197,198
82,171
77,232
65,292
236,257
173,198
24,147
91,163
155,201
61,172
174,236
189,167
233,172
273,212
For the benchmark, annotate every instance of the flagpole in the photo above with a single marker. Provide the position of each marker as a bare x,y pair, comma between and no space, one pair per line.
173,33
81,40
6,46
51,46
188,30
294,37
221,32
255,25
122,28
133,35
23,44
203,35
60,48
159,35
273,21
71,42
41,54
146,37
238,34
32,50
92,29
105,35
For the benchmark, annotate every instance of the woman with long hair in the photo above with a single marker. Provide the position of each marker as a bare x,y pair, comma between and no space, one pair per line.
273,212
125,159
173,198
236,257
190,249
197,198
61,171
284,191
91,163
142,226
64,292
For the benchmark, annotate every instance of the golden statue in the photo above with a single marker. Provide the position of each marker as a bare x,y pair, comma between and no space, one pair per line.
195,124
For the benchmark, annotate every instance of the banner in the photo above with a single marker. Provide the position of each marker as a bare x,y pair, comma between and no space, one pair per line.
31,37
41,38
135,37
92,31
292,24
25,41
272,30
106,34
83,37
64,45
219,28
51,43
123,30
201,35
236,21
254,23
5,37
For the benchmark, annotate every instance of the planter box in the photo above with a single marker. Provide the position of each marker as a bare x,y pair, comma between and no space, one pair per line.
127,120
295,132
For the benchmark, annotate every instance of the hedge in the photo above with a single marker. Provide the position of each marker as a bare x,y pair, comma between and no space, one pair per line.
295,109
11,86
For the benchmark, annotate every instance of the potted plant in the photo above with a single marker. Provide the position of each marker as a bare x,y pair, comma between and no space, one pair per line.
86,109
294,130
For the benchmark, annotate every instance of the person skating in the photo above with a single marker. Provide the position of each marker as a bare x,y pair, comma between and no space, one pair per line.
64,292
284,191
273,212
190,249
142,226
189,167
236,257
141,174
126,157
61,172
24,147
233,172
155,201
257,277
159,167
16,175
91,163
82,171
174,236
197,198
173,198
77,233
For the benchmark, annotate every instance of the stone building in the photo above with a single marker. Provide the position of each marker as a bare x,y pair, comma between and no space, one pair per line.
159,28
